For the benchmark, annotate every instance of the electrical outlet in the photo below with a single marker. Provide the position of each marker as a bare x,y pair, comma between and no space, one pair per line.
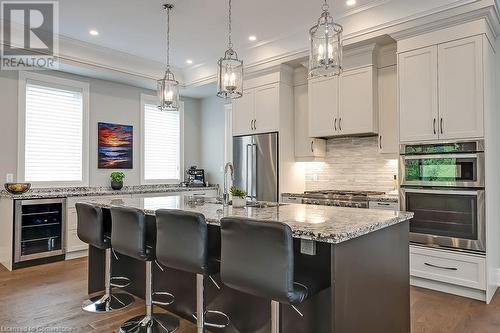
9,178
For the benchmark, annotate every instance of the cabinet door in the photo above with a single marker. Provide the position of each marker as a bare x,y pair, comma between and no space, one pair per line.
267,109
357,111
461,89
388,110
243,113
323,107
418,96
305,147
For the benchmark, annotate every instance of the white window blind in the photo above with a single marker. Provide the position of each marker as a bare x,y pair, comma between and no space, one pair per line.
161,144
53,143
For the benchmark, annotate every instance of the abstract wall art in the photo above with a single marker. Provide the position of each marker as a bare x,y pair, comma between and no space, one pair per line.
115,146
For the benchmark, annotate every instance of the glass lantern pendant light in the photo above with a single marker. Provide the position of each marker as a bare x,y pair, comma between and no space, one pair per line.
230,71
325,53
168,87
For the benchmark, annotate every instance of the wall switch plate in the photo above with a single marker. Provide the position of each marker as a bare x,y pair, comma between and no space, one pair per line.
308,247
9,178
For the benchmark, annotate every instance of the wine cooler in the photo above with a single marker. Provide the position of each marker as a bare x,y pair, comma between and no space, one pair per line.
39,229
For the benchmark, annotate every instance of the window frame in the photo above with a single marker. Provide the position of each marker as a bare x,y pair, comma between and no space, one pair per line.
60,83
152,99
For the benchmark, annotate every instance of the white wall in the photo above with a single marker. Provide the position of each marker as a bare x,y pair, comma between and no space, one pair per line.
109,102
212,138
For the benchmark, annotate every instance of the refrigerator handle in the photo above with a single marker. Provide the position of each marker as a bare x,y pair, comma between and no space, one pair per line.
246,169
254,171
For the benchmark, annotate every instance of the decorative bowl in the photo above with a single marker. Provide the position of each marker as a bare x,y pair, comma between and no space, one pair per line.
17,188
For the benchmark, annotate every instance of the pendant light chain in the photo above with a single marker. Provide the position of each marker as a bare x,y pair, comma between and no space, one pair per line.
168,37
230,45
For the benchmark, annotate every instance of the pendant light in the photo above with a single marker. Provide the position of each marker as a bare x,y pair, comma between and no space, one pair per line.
168,87
230,70
325,53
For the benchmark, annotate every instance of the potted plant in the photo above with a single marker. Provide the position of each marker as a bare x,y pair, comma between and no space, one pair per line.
117,180
239,197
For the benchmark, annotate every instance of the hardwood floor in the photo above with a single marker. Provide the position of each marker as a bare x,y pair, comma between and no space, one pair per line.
50,296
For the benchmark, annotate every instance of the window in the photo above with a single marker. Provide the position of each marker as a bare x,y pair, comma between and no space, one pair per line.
162,144
53,125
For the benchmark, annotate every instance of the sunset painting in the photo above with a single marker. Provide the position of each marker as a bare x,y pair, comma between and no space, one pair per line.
115,146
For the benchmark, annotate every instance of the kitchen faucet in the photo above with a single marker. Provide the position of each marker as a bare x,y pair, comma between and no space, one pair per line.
225,194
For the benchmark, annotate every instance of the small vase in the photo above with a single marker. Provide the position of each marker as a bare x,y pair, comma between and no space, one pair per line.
239,202
116,185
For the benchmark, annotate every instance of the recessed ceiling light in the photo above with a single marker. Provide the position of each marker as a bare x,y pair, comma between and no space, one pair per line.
350,2
189,61
94,32
252,38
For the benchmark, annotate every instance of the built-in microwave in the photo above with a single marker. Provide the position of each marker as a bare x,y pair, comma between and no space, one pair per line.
453,164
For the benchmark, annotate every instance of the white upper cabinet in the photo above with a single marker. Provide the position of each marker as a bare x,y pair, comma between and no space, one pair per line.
441,91
258,111
345,105
418,99
388,110
306,148
267,109
243,113
323,107
461,88
358,102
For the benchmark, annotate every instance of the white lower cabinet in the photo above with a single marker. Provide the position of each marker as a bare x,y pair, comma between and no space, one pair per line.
451,267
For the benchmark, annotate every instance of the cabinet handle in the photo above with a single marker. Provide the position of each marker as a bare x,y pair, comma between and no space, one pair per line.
380,142
312,146
335,124
434,126
255,124
251,124
340,124
441,125
441,267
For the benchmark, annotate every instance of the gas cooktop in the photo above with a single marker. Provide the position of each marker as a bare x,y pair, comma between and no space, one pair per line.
356,199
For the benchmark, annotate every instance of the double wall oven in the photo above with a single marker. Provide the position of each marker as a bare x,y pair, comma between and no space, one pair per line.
443,184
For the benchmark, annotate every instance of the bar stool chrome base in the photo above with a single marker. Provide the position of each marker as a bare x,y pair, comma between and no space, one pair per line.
107,303
158,323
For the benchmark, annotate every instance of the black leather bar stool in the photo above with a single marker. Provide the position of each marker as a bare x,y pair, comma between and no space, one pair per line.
91,230
182,244
257,258
132,238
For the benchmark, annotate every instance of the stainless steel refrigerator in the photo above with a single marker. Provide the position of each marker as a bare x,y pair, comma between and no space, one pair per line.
255,159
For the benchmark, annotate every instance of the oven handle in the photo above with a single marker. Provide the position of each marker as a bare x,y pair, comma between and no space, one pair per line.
439,156
431,191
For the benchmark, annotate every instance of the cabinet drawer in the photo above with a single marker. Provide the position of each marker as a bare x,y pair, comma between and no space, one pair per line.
287,199
384,205
461,269
73,243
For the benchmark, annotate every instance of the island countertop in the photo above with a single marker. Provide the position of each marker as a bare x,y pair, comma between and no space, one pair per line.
319,223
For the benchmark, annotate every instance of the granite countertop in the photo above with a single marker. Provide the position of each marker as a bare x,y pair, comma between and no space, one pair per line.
64,192
320,223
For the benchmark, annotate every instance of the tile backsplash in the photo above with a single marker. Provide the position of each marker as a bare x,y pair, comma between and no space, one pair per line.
353,164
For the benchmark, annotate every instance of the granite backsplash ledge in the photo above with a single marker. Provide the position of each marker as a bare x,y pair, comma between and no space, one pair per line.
353,164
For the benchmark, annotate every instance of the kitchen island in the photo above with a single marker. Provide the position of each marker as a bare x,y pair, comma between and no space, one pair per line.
361,256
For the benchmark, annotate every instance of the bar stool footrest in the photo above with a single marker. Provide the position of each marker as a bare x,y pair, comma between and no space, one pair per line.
120,282
163,294
157,323
216,319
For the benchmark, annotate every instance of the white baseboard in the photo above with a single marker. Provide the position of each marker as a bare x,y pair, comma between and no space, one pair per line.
77,254
480,295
